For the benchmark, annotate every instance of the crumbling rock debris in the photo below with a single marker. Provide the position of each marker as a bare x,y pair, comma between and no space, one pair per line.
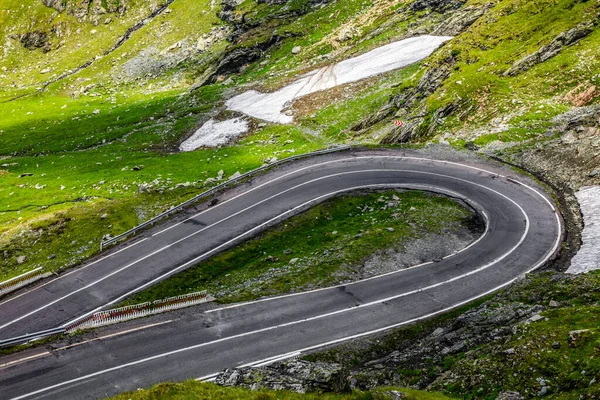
477,326
35,40
436,5
510,396
296,375
91,10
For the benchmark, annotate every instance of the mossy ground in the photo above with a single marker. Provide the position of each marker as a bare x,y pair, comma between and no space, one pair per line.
318,248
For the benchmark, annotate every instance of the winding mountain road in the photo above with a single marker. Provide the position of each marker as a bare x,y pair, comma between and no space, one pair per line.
524,230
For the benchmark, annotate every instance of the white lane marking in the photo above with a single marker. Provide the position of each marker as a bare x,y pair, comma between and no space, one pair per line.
47,353
548,255
200,345
341,160
231,216
258,227
73,271
542,261
297,171
115,272
349,283
183,266
253,189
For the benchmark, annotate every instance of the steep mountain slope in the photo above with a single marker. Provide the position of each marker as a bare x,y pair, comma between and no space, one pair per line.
97,96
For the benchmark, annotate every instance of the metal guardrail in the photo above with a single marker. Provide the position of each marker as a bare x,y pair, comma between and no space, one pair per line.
22,280
132,231
127,313
31,336
116,315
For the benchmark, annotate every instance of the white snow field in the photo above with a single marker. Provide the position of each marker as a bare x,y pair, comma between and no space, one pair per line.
588,257
214,133
269,106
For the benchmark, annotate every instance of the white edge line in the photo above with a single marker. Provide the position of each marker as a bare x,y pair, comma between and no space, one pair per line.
543,261
73,271
341,160
276,218
329,343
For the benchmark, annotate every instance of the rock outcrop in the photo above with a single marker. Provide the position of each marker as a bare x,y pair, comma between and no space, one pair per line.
297,375
545,53
87,10
477,326
35,40
436,5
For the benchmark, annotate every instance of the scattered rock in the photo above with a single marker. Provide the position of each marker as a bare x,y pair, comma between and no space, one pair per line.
436,5
297,376
345,34
21,259
104,216
287,251
293,261
394,395
576,338
137,168
580,98
554,304
235,176
51,256
25,175
35,40
296,50
510,396
556,345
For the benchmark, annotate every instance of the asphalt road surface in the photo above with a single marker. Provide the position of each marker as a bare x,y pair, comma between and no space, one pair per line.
523,231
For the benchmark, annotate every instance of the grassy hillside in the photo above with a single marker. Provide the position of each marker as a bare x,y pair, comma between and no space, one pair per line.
95,101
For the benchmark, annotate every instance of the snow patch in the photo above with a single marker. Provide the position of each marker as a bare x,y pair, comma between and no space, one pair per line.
269,106
214,133
588,257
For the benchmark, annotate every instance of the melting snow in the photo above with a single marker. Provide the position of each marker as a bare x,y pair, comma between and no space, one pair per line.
269,106
588,257
214,133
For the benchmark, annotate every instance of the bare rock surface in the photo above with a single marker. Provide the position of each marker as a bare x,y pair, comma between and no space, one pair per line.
296,375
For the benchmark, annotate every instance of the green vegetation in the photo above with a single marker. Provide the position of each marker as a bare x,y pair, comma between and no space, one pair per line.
198,390
511,30
325,245
102,142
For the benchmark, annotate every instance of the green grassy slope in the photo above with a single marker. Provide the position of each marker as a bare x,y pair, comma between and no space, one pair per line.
197,390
